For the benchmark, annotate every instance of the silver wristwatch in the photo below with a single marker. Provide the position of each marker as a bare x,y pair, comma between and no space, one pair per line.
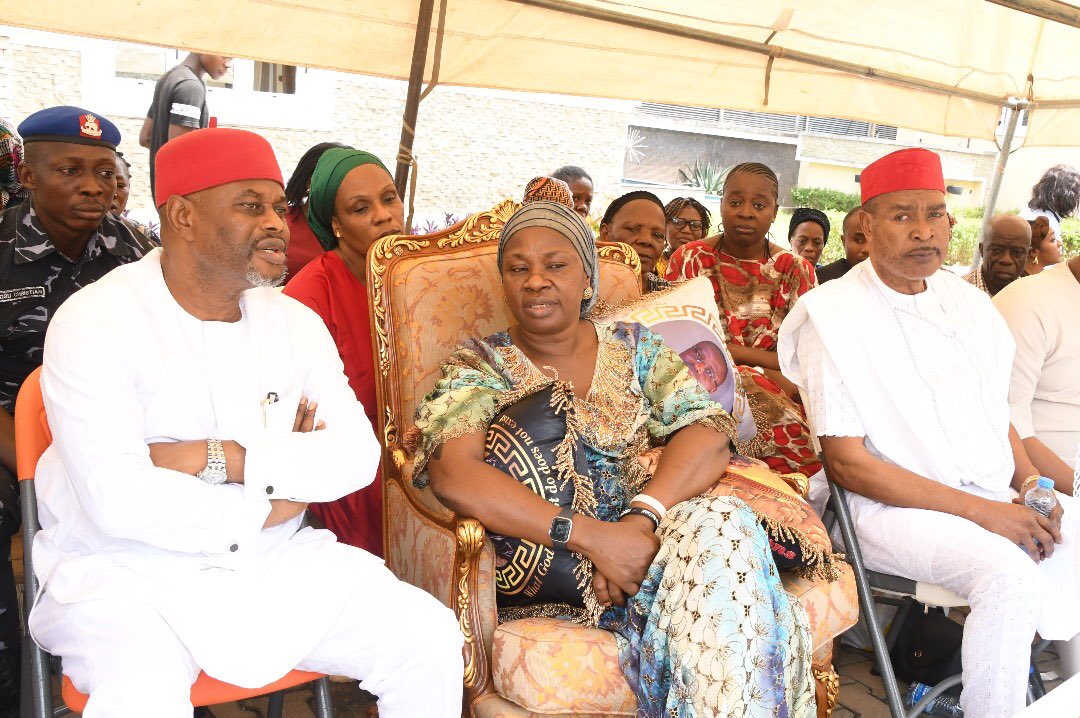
214,473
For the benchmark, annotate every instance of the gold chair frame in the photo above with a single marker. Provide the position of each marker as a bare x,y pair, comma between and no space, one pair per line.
468,535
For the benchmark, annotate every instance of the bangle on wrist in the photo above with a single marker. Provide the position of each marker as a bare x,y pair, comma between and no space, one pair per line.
1028,482
639,511
658,508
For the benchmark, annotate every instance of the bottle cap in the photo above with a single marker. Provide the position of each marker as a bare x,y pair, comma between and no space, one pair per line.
1045,483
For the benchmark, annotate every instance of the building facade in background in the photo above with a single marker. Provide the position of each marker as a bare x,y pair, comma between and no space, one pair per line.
475,147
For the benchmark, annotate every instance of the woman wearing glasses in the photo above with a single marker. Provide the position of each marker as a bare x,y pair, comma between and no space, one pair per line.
687,221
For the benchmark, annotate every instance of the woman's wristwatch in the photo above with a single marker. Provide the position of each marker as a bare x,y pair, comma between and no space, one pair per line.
561,528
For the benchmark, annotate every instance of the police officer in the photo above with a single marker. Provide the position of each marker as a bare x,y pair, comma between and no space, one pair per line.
61,238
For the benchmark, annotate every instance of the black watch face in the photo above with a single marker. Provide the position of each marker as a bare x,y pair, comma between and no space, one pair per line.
560,529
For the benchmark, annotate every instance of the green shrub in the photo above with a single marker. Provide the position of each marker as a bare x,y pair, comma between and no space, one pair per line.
824,199
707,176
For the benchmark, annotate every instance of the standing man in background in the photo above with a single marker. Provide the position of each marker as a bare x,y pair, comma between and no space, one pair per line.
179,103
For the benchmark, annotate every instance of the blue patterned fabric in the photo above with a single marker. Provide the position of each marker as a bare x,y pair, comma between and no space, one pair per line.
712,631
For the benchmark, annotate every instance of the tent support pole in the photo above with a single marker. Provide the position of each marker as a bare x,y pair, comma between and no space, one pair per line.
412,97
1053,10
1015,109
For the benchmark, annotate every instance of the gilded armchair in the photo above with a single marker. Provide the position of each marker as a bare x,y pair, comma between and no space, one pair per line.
428,293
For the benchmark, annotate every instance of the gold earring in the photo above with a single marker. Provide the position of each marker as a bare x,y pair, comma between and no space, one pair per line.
337,234
587,294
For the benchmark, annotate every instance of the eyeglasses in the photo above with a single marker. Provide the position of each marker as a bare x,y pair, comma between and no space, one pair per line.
679,223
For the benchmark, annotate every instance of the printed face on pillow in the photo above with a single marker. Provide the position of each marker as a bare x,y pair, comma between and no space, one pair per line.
707,364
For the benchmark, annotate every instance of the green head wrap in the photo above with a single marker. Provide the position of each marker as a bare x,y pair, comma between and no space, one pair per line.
334,164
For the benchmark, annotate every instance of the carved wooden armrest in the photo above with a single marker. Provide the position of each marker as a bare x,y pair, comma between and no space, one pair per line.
431,547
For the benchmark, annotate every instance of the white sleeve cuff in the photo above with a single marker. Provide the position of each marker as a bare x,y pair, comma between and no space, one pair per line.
242,524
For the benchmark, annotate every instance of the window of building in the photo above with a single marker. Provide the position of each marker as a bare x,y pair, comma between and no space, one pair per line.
272,77
768,122
140,64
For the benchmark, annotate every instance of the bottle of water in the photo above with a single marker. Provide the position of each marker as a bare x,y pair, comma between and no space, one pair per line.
1041,498
943,705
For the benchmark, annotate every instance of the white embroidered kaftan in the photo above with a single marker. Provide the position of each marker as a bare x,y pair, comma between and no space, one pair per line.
125,366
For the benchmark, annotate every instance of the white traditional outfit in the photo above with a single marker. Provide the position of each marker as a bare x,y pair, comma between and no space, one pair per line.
149,575
1041,312
924,380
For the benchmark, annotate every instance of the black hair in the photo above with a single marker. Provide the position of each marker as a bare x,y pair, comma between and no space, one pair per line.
755,168
680,203
297,188
127,165
614,207
848,216
1057,191
571,173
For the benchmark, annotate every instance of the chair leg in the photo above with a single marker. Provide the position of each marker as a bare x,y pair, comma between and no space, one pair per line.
866,602
275,705
324,707
40,677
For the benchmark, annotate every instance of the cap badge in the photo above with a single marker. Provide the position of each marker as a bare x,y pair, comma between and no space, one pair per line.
90,126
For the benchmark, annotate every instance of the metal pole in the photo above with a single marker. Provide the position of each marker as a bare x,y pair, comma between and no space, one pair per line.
1014,109
1053,10
412,98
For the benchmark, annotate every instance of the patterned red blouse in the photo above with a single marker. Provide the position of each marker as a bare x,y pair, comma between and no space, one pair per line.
755,294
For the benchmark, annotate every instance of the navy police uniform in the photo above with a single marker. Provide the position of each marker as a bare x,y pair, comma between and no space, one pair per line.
35,279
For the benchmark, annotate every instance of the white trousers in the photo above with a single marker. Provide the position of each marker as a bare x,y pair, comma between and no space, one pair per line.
398,641
1005,589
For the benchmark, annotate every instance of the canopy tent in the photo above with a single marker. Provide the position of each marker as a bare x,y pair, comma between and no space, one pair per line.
945,68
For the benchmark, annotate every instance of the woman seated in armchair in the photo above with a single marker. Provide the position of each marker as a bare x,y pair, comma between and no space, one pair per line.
685,581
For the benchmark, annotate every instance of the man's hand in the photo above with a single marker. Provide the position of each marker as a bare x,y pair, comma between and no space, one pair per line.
1055,515
621,552
282,510
305,417
1020,524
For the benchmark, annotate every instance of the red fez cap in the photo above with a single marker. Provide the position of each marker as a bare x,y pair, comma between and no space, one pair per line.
209,158
913,168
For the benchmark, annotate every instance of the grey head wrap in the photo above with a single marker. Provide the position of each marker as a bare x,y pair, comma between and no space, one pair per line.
569,224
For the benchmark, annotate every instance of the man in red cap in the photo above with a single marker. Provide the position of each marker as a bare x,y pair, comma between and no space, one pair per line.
904,369
195,413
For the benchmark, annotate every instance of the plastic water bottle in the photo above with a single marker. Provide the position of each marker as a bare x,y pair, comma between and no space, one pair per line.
1041,498
943,705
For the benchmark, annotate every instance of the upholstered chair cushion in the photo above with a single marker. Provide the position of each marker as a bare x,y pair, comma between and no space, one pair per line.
550,666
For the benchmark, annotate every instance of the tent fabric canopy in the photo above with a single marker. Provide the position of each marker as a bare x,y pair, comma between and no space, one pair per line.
945,68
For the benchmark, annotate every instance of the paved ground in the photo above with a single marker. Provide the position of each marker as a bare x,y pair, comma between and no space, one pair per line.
862,695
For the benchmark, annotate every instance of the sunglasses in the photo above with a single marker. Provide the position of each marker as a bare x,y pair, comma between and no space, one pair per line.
679,223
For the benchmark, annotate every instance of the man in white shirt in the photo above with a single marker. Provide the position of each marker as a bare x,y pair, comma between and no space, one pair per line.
1041,312
172,496
904,369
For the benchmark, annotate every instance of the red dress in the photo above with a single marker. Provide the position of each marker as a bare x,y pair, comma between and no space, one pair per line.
328,287
755,296
303,244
